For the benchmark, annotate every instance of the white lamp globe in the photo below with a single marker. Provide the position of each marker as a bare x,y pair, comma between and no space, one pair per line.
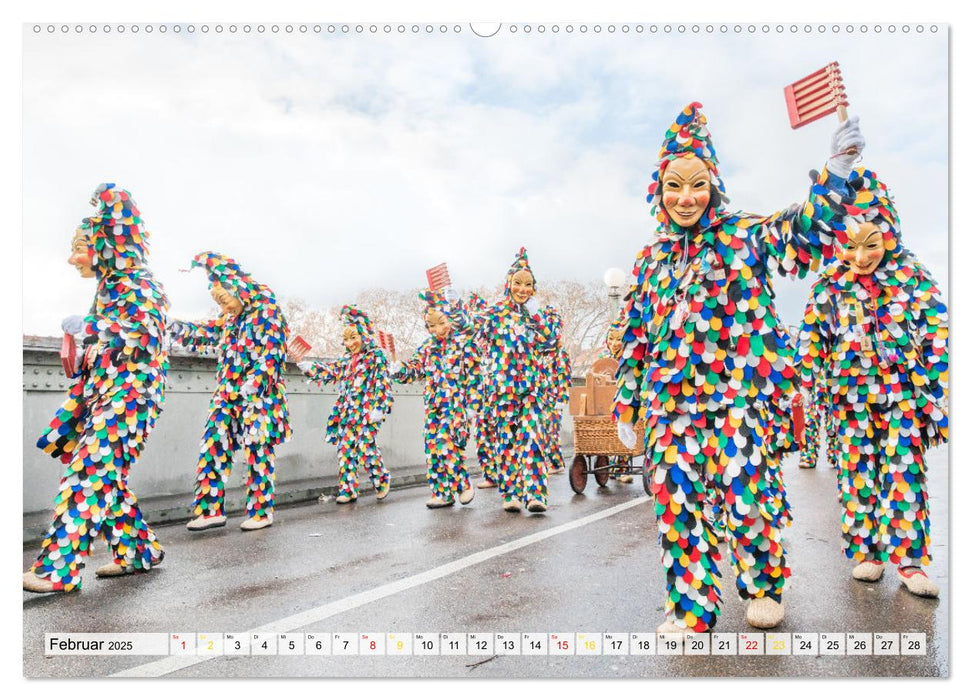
614,277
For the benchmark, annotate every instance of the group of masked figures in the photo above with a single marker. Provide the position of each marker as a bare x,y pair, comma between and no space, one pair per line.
705,363
497,368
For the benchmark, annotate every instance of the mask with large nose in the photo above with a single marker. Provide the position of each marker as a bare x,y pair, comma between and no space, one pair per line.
686,190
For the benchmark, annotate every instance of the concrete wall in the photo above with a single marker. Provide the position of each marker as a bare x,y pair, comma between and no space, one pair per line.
164,476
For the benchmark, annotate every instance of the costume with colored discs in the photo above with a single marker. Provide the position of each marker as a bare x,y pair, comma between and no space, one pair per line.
448,366
476,307
882,339
817,416
248,409
111,408
513,335
705,363
555,382
363,401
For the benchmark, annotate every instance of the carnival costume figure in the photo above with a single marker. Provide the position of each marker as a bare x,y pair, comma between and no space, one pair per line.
476,308
877,326
706,364
514,334
363,402
248,409
556,373
817,414
446,361
101,428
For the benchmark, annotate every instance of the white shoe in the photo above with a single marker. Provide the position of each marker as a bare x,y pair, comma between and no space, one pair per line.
438,503
917,582
255,523
382,492
764,613
36,584
465,497
625,479
536,507
868,571
345,499
486,484
206,522
512,506
669,627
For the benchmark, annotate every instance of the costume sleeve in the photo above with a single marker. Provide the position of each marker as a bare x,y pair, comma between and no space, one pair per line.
268,355
815,339
564,373
381,383
413,369
633,359
931,376
799,239
130,328
472,376
545,335
197,337
325,372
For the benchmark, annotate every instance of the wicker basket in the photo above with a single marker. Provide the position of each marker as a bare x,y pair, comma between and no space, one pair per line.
597,435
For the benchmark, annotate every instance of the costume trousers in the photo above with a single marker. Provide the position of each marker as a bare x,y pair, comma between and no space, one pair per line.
485,438
554,453
518,451
809,454
722,452
216,463
359,448
883,486
94,499
447,475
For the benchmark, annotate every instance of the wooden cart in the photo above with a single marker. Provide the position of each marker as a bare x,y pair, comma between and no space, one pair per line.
596,447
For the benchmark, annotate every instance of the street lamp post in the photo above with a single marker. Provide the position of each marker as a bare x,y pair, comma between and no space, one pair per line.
614,279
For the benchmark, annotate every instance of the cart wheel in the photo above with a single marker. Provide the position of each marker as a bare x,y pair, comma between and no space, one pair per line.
646,475
601,472
578,474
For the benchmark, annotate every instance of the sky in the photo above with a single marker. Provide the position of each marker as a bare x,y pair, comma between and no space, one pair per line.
328,163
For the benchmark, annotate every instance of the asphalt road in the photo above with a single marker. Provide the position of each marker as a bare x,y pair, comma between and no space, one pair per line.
590,564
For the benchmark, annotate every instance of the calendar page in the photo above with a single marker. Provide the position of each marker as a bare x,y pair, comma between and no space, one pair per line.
738,213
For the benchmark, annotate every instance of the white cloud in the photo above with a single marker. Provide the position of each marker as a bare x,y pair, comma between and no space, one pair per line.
327,165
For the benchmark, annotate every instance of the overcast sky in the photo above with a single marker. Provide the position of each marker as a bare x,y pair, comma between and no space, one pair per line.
327,164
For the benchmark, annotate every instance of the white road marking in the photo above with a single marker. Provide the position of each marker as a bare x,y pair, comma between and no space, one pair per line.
170,664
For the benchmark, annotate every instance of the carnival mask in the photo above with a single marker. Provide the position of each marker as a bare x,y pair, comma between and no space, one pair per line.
521,286
438,324
686,190
230,304
352,340
615,343
80,257
864,247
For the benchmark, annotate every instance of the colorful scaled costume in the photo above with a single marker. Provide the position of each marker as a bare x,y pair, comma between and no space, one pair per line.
882,339
818,415
555,382
448,366
363,401
248,409
513,337
111,408
476,308
706,363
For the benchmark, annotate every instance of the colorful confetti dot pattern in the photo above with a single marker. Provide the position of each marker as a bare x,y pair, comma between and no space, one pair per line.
555,379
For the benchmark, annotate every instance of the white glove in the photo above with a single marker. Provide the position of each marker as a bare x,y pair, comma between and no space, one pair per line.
626,434
470,415
451,296
375,416
248,388
176,327
846,137
73,324
560,405
305,366
532,307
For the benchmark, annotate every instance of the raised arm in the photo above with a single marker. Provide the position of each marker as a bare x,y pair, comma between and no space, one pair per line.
323,372
412,369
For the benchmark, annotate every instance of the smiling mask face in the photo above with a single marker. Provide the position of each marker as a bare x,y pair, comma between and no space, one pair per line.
686,190
864,247
352,340
230,305
80,257
521,287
